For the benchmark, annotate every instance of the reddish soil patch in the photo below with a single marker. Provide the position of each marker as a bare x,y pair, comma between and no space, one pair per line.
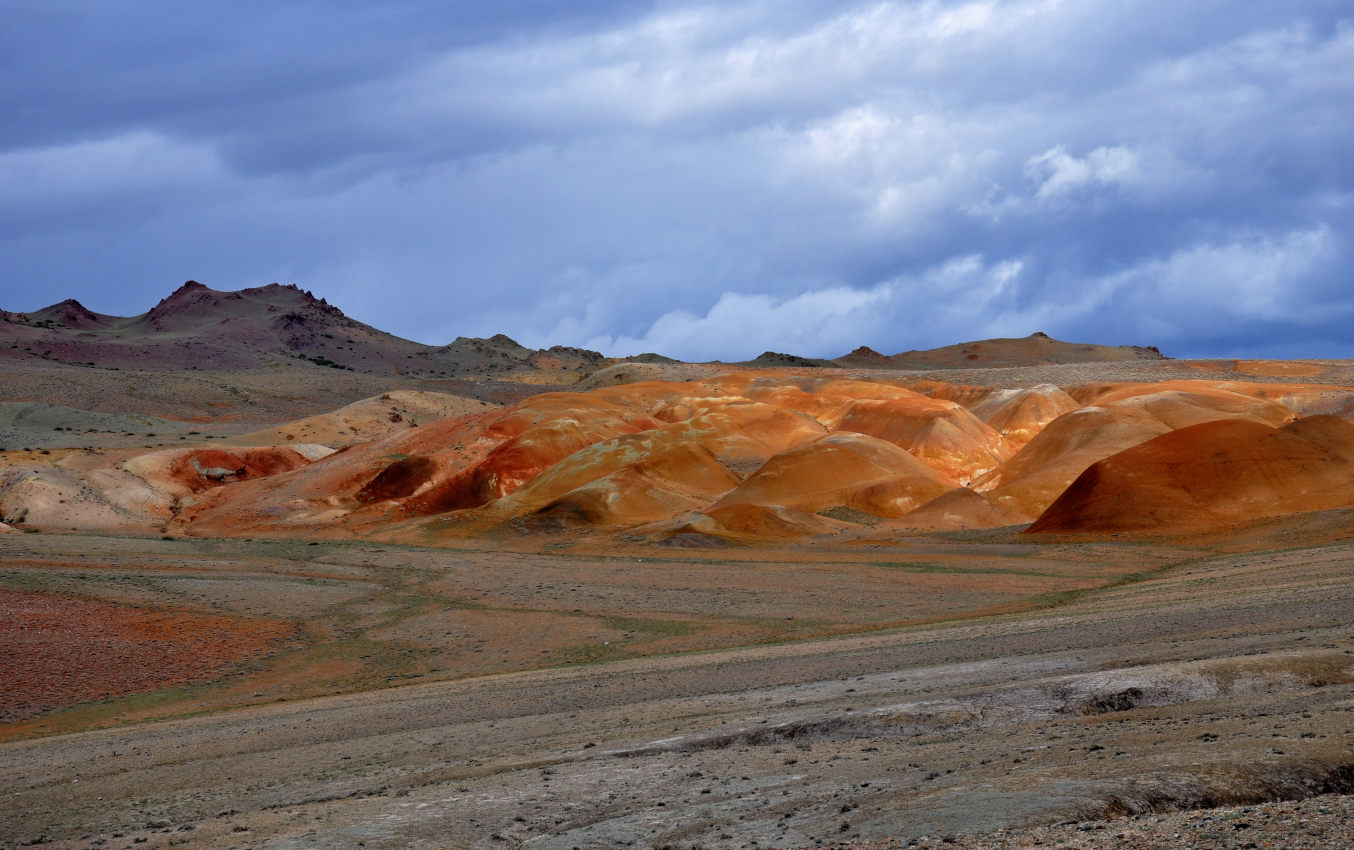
57,651
204,469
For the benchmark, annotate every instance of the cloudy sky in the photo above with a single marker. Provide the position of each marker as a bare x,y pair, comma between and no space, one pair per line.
702,180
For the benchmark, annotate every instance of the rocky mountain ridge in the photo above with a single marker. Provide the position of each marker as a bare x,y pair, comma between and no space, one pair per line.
197,327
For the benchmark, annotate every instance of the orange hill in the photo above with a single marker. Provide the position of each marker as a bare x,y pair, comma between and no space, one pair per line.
1208,474
745,455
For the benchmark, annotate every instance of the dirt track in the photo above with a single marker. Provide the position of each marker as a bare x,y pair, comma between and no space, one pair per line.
1224,680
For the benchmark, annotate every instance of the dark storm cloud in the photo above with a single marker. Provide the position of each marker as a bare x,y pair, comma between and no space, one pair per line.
702,180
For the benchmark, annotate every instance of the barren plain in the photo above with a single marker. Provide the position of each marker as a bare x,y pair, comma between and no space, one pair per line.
505,598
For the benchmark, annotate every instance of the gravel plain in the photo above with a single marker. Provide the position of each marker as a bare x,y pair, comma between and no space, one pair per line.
1316,823
1225,681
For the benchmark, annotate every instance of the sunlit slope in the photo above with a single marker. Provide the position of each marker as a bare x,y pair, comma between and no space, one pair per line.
1119,418
1206,475
953,511
747,456
751,455
843,469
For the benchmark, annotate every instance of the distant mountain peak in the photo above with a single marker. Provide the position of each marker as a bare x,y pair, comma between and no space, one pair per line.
290,291
180,301
194,304
865,357
69,313
499,345
572,351
198,327
777,358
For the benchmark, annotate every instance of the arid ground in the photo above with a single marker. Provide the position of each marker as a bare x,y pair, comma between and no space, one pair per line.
1004,594
1205,678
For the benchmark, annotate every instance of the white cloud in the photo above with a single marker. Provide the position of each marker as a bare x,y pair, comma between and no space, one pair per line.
1206,288
735,60
1060,173
894,168
1258,278
961,296
741,326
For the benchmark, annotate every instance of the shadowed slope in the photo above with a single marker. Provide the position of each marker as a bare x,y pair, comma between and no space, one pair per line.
196,326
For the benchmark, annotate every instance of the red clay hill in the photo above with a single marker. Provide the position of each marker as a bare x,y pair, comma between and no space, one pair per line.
1207,475
730,455
765,456
1072,438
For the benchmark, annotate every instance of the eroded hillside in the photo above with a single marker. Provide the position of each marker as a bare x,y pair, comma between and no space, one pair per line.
733,457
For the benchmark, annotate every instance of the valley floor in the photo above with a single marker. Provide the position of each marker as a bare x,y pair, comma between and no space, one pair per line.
1189,679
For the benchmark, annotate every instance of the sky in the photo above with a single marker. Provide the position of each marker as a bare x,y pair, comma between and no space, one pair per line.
707,181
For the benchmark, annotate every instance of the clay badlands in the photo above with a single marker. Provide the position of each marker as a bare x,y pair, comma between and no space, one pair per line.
272,577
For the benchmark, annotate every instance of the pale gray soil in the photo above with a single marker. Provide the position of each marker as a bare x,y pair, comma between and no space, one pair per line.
225,402
1333,373
1315,823
1228,680
40,425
